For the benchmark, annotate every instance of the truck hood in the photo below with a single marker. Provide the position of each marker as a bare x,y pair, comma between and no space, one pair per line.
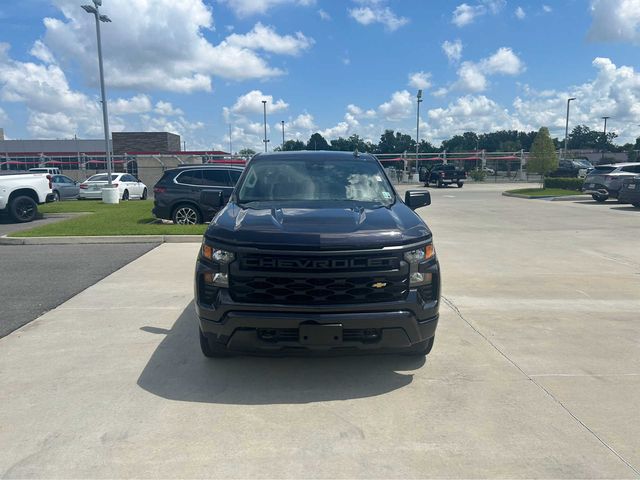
337,227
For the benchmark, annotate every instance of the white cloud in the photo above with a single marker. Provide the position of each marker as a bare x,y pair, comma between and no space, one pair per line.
324,15
520,13
244,8
465,14
42,52
135,105
400,106
374,11
359,112
547,9
305,121
265,38
421,80
342,129
142,53
615,21
453,50
504,61
4,118
472,76
251,104
166,109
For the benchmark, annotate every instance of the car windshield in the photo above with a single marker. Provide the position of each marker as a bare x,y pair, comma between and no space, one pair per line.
101,177
315,180
583,163
603,170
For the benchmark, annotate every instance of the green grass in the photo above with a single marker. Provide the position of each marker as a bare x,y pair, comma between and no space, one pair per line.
544,192
126,218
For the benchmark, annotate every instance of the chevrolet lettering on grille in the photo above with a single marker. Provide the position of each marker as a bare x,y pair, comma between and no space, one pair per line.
319,264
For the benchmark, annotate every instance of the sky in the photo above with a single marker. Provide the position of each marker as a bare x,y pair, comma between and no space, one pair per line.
201,68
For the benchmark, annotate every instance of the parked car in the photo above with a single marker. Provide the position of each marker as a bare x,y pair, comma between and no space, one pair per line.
64,188
446,174
630,191
572,169
129,187
316,251
488,170
605,181
21,193
194,193
47,170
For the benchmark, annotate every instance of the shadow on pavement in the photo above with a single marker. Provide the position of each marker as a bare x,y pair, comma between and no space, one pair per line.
177,370
629,208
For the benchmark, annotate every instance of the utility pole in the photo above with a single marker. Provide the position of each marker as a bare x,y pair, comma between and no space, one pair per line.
264,105
282,122
604,134
230,145
419,100
566,128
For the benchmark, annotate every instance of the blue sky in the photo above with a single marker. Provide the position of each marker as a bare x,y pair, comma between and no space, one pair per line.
195,67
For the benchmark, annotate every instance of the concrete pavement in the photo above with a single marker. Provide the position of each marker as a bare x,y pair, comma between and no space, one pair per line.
535,371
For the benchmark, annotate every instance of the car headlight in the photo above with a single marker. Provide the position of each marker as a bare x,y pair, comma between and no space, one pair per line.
216,255
420,254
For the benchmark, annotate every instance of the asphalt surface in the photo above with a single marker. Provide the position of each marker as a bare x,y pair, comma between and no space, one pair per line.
535,372
8,226
35,279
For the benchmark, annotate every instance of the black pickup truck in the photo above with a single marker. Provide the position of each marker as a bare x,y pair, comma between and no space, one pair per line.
316,252
445,174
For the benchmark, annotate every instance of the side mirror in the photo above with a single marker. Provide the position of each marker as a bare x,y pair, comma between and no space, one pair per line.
417,198
212,198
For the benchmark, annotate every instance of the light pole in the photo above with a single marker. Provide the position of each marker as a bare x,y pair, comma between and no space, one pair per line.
282,123
230,145
264,104
419,100
566,128
604,136
95,10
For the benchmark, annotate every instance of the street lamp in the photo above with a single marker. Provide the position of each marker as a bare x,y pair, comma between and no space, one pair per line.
419,100
604,135
566,128
264,104
282,123
95,11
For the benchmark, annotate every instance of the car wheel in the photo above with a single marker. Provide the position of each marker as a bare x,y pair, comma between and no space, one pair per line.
460,184
186,215
212,350
636,204
440,184
144,194
125,195
56,196
23,209
599,198
420,349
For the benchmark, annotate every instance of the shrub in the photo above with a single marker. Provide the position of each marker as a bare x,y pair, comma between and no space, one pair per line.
478,175
564,183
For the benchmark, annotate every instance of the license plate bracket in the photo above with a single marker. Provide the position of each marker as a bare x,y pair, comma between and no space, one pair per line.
320,335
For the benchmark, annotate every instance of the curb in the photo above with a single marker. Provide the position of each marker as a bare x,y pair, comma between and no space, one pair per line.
546,197
4,240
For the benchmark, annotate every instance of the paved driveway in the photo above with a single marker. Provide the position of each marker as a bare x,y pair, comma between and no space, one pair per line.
535,371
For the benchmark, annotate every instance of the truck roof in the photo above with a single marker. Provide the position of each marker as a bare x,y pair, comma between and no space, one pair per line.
316,155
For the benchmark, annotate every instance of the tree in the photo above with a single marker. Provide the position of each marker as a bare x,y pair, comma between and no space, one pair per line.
247,152
395,142
543,158
292,145
462,143
317,142
354,142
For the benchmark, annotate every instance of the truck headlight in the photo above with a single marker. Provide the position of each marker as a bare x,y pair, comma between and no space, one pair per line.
221,257
420,254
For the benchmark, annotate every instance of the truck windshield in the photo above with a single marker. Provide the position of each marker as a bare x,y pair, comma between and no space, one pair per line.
315,180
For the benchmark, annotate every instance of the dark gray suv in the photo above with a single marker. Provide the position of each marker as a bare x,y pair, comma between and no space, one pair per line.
194,193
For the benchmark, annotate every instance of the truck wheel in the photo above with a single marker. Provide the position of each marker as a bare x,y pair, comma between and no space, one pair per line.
23,209
212,350
421,349
460,184
599,198
440,184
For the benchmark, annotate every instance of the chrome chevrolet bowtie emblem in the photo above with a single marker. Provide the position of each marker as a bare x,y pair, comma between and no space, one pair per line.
379,285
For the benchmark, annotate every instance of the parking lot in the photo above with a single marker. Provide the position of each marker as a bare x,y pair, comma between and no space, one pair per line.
535,370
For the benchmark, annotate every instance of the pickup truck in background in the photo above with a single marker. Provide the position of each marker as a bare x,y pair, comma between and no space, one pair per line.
444,174
21,193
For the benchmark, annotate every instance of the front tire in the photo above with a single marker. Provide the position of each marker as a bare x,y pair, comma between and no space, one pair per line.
460,184
144,194
125,195
212,350
186,215
56,196
599,198
440,184
23,209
